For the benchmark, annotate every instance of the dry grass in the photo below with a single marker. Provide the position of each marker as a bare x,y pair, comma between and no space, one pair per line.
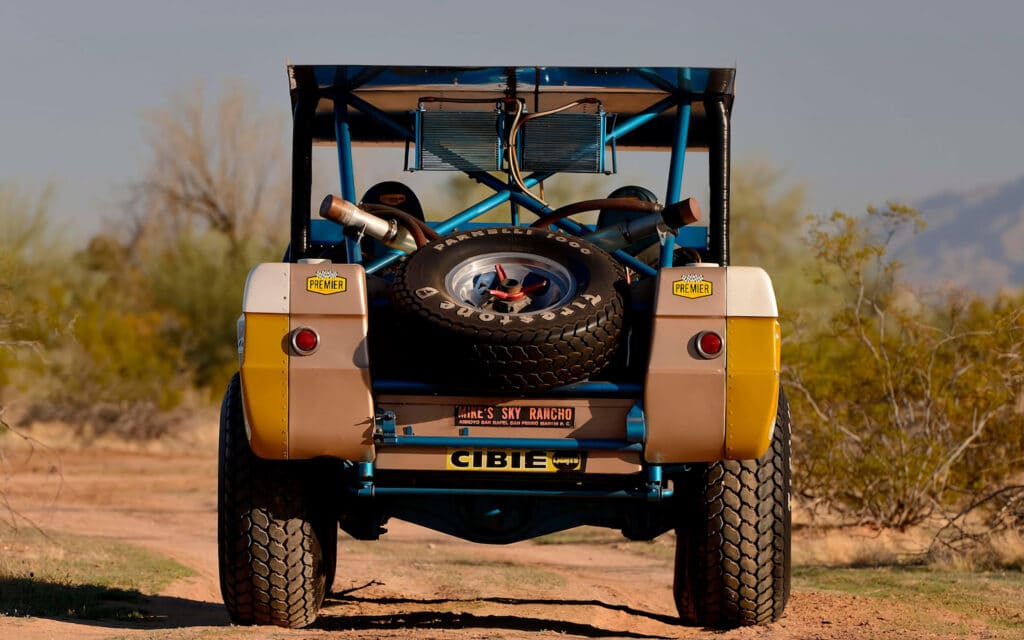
858,547
59,574
1002,551
989,596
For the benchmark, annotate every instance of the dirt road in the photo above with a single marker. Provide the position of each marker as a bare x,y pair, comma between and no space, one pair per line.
413,582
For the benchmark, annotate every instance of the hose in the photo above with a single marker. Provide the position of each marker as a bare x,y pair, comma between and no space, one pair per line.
420,230
631,204
513,134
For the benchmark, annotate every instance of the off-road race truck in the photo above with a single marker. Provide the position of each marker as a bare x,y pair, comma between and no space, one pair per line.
579,363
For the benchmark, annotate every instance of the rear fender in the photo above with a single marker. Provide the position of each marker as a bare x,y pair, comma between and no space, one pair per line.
699,409
319,404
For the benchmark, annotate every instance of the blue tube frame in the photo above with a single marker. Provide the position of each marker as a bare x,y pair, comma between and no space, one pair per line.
540,444
346,170
655,494
675,173
506,192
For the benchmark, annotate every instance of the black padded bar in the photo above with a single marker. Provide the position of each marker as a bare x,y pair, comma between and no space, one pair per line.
718,180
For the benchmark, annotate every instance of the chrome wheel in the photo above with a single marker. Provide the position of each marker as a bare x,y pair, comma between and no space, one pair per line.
511,283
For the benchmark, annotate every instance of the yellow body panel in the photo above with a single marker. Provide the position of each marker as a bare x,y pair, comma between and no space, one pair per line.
752,385
265,383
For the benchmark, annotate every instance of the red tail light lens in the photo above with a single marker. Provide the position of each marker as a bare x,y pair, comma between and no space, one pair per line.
305,341
709,344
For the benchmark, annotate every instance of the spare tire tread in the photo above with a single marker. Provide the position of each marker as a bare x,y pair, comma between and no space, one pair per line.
521,358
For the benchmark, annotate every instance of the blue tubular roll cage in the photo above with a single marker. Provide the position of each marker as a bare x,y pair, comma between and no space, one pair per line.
673,109
657,108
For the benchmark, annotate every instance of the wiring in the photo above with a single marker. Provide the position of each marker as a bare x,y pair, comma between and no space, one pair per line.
513,135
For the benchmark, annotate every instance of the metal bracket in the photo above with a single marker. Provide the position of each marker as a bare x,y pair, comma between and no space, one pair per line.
636,426
365,486
656,491
385,431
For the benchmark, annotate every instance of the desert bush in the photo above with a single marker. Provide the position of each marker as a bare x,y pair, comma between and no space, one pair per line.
987,534
196,282
902,403
27,262
113,366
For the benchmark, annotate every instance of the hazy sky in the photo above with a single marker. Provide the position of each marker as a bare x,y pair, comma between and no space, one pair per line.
861,101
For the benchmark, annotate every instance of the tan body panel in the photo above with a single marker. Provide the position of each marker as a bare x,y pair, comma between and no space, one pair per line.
321,404
684,394
331,404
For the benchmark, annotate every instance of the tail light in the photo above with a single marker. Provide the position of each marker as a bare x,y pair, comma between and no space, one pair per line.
709,344
305,341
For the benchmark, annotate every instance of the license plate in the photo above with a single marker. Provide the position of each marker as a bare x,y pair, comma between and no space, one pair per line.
476,415
515,460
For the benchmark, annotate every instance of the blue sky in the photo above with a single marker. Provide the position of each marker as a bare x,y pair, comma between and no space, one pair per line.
860,101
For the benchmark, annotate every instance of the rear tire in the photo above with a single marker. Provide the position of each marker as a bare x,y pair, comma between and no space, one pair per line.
733,540
274,548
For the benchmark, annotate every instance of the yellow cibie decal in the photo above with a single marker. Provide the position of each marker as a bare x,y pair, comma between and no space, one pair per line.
692,286
326,283
518,460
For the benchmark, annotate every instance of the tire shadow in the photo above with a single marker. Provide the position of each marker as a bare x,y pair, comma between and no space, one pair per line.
441,618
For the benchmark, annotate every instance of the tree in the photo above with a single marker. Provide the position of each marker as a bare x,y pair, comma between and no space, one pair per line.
767,229
212,201
219,168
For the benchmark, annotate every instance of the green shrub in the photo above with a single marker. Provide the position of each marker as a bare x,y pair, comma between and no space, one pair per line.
901,402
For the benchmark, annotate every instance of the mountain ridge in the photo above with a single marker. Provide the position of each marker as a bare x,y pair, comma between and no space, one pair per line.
972,240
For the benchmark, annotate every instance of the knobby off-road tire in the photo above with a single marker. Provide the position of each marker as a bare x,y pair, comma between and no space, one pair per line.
560,339
733,541
275,543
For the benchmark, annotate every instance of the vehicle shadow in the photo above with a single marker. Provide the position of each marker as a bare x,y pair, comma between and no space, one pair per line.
437,615
100,606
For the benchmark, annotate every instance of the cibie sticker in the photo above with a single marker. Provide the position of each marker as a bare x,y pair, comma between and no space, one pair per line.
519,460
692,285
326,282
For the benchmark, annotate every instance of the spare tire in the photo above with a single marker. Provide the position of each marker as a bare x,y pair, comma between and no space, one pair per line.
510,309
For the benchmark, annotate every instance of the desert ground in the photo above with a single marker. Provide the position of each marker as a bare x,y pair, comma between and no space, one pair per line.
586,583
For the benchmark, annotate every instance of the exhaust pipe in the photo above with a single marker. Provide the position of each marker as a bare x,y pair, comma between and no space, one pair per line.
349,215
668,220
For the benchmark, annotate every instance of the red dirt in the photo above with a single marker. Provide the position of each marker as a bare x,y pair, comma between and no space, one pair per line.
413,582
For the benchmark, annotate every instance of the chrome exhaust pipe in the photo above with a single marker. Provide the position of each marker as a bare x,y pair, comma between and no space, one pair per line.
347,214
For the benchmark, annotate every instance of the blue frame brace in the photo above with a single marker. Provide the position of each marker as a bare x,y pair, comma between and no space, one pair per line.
503,192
